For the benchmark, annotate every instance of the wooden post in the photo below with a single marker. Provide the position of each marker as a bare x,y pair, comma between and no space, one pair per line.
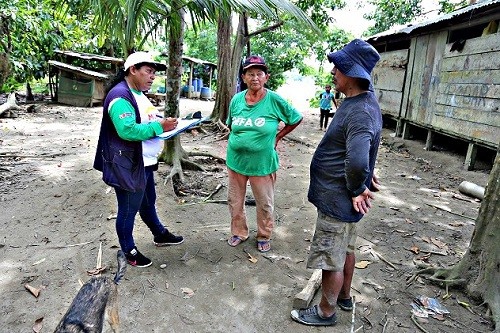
210,78
399,127
428,142
470,159
190,94
406,131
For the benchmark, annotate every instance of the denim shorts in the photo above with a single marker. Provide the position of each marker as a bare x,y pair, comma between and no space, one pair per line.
332,240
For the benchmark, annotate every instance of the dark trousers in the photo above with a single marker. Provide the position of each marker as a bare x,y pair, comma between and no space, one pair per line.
323,118
129,203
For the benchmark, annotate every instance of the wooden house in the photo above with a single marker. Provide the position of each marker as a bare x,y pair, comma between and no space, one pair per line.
443,75
80,79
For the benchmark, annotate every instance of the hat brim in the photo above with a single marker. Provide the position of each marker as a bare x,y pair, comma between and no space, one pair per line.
347,66
264,67
158,66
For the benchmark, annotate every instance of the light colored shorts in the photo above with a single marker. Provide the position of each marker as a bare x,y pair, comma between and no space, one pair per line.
332,240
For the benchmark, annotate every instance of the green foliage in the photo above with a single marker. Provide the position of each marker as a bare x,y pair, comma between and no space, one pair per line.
331,38
447,6
126,23
284,48
289,46
388,13
202,43
38,27
31,31
40,86
29,34
319,10
335,39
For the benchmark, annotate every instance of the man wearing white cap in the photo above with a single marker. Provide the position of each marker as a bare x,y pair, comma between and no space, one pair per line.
341,176
127,153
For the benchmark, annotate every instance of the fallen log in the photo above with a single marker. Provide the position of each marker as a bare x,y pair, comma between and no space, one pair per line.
7,109
303,298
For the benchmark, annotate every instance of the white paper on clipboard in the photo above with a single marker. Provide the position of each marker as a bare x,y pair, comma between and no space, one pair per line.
182,125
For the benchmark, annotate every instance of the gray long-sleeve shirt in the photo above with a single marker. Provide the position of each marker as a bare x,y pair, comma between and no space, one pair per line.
342,165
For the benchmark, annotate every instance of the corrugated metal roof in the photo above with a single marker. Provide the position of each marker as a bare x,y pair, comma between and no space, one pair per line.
468,12
200,61
79,70
88,56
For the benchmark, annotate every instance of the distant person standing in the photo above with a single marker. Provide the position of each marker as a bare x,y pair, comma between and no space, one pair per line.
338,97
325,106
342,181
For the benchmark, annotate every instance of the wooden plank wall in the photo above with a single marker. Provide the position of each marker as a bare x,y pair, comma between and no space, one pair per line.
418,89
467,100
388,80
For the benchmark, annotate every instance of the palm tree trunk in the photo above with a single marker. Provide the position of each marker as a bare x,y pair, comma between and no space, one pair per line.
176,29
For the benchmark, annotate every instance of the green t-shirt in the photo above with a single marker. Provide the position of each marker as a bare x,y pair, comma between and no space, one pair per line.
250,148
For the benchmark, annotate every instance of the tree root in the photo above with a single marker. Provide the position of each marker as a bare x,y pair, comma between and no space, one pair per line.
182,162
203,154
447,282
222,126
437,275
190,165
223,129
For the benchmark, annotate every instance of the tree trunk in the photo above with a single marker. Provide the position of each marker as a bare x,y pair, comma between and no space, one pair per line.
176,27
241,40
228,64
29,92
4,68
480,266
225,85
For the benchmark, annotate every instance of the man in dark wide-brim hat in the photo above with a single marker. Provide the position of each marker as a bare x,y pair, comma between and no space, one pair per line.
342,180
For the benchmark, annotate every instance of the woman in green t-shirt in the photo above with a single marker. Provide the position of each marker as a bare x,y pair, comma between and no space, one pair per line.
254,117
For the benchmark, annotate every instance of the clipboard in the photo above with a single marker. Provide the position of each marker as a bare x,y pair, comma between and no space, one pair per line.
182,126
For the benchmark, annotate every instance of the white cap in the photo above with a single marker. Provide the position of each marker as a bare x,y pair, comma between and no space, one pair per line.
143,57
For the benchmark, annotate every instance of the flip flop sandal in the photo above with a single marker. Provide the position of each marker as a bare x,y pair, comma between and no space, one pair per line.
235,241
264,246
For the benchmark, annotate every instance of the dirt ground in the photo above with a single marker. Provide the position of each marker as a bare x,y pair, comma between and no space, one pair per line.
56,213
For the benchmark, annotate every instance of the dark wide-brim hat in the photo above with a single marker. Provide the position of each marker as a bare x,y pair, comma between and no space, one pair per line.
356,59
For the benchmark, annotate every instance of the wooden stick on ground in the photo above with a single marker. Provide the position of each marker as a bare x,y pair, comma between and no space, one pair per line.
353,313
381,257
70,245
451,212
99,257
303,298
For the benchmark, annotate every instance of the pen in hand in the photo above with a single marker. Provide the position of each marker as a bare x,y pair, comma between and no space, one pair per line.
168,124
